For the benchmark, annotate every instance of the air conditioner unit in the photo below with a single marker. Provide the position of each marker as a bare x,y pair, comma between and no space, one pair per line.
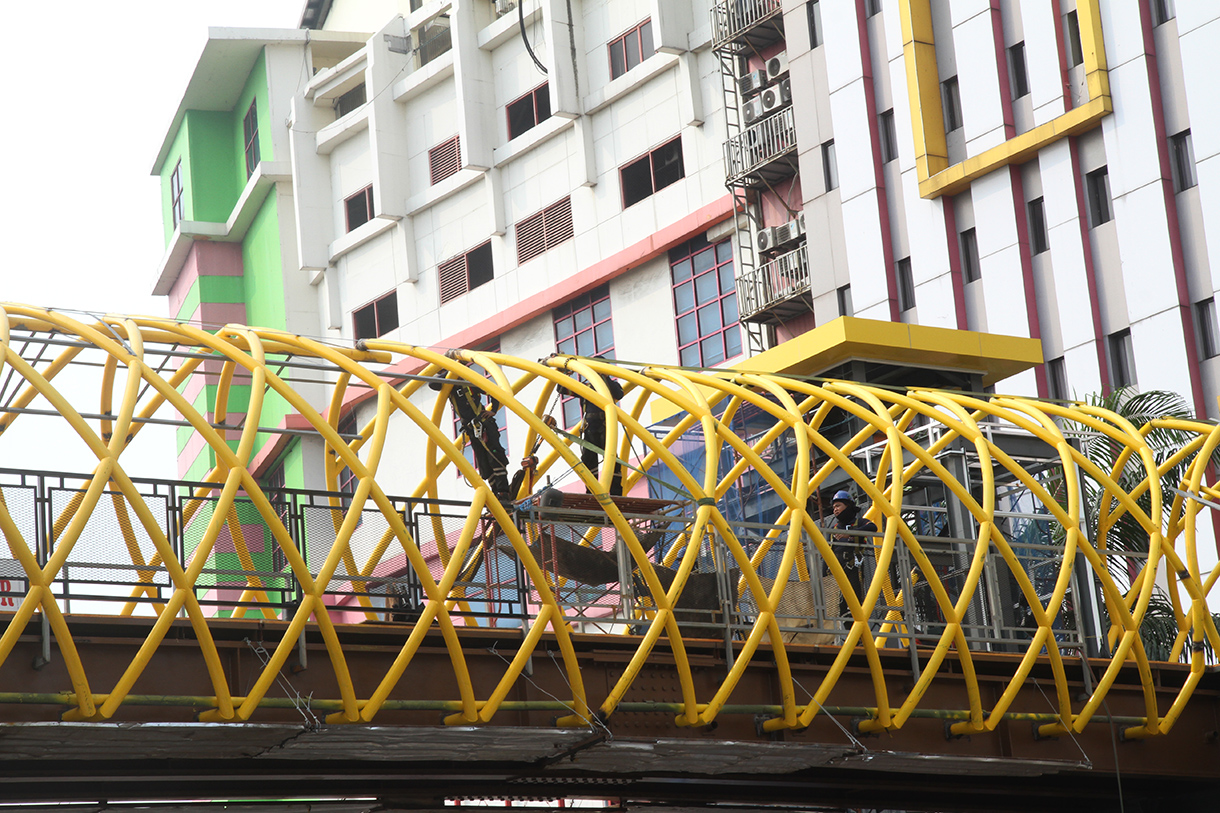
753,110
771,99
505,6
766,239
800,222
785,91
777,66
752,82
786,233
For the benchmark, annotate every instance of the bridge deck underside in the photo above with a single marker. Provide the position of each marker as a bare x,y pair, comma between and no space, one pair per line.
155,749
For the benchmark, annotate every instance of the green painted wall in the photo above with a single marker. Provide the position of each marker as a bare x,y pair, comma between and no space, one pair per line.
214,191
263,266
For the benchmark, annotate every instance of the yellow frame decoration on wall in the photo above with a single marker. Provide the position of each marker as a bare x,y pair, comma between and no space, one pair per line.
936,176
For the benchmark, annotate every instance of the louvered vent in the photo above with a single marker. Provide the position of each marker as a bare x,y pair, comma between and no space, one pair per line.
544,230
452,278
445,159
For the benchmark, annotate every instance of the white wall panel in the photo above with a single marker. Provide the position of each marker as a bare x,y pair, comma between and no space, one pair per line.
1004,288
978,80
841,42
853,144
1042,61
1131,147
1143,242
1160,353
865,256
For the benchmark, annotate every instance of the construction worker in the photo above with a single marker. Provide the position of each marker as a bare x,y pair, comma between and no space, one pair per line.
593,433
849,548
478,423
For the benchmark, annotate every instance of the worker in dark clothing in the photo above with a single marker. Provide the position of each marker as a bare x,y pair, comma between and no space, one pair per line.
848,548
593,433
478,422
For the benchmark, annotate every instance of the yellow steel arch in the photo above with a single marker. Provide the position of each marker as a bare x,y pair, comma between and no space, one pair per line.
124,349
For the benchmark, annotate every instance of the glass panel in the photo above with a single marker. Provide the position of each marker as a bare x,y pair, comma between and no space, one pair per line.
684,297
687,329
571,412
732,342
616,59
584,344
713,350
601,310
631,44
709,319
584,318
706,288
690,356
704,260
604,335
727,283
563,328
542,98
724,252
681,270
567,346
728,307
646,47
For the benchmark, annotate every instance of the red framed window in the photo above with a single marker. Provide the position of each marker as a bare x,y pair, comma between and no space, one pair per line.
358,208
583,328
249,127
465,272
544,230
377,318
529,111
631,49
175,194
705,302
445,159
652,172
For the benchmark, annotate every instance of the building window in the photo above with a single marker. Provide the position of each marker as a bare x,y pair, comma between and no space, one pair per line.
906,284
1039,238
652,172
176,211
630,49
347,429
350,101
1162,11
1122,359
249,127
359,208
971,266
445,159
544,230
844,297
953,104
583,328
1071,24
434,39
813,12
705,302
376,318
465,272
830,165
1182,159
1020,73
1097,187
529,111
1056,375
889,138
1205,324
872,7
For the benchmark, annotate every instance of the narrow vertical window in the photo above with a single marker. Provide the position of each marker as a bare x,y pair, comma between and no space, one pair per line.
1075,54
1182,159
1163,11
830,165
872,7
249,128
1122,359
175,194
1020,73
1205,324
813,12
1056,379
889,138
1039,239
844,297
906,284
953,104
359,208
971,266
1097,186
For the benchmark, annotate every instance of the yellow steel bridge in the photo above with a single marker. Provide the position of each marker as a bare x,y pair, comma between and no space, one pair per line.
994,546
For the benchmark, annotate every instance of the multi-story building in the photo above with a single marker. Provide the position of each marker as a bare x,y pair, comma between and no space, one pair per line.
565,176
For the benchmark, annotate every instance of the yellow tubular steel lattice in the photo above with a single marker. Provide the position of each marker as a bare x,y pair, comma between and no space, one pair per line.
409,415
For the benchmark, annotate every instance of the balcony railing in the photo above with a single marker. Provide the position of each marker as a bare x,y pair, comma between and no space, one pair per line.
732,18
760,144
773,282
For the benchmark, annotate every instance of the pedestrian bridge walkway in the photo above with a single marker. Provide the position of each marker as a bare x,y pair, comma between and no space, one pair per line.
1034,577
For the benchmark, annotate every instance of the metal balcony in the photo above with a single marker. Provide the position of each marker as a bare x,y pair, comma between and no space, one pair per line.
747,23
764,151
769,293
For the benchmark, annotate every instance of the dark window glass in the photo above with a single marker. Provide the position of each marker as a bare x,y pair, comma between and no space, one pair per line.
1057,379
529,111
652,172
376,318
637,181
1205,324
971,266
830,165
889,138
844,297
175,194
630,49
478,265
1162,11
952,100
434,39
250,133
906,284
1075,54
813,13
1039,239
359,208
1097,185
350,101
1122,359
1182,160
667,165
1020,75
465,272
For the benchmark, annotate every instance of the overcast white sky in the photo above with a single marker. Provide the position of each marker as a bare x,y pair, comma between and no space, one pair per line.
95,87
